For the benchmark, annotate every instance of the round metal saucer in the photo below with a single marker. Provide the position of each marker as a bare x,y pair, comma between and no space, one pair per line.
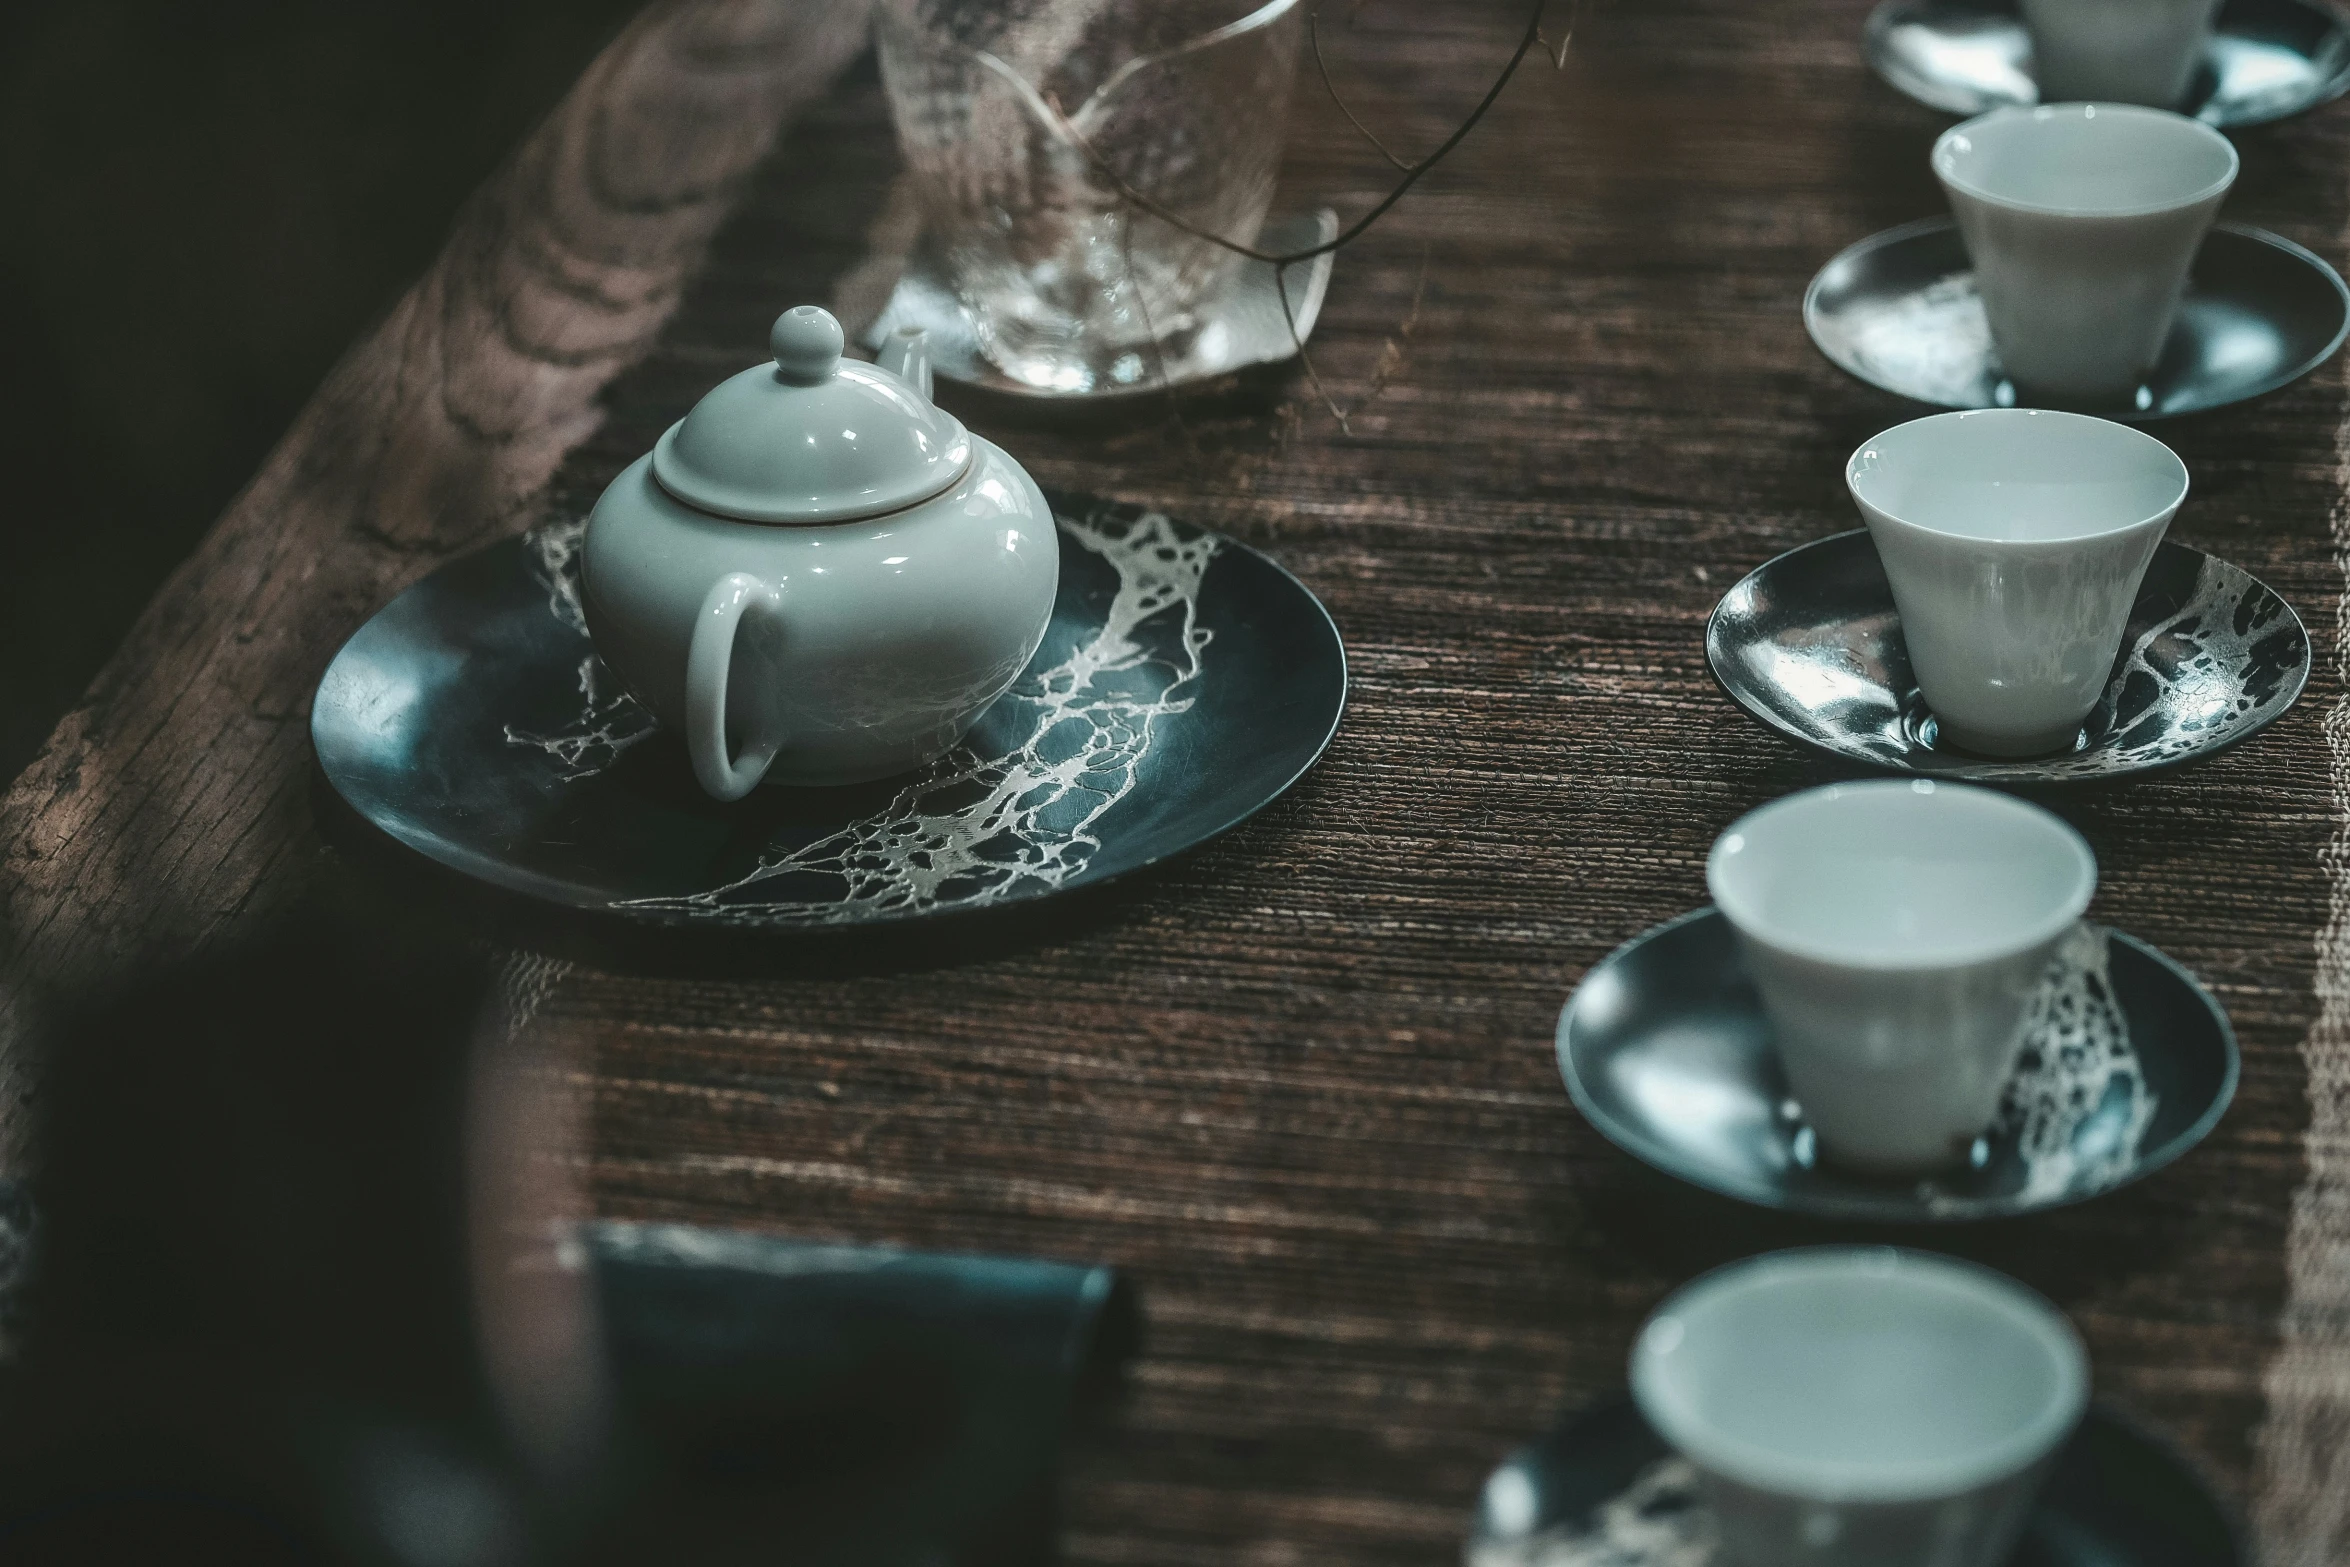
1810,644
2127,1064
1184,683
1899,310
1602,1487
2267,58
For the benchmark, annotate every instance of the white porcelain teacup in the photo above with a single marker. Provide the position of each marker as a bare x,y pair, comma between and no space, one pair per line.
2015,541
1896,931
2118,51
2082,220
1857,1406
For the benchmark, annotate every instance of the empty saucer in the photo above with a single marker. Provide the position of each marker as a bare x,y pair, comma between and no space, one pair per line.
2127,1063
1245,324
1810,644
1603,1490
2267,59
1899,310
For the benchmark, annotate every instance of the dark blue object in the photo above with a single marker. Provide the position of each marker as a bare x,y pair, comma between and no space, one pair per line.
891,1406
1194,678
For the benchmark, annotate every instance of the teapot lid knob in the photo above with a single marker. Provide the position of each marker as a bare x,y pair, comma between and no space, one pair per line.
806,342
811,437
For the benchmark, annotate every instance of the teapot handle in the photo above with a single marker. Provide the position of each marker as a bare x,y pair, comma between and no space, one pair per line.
708,661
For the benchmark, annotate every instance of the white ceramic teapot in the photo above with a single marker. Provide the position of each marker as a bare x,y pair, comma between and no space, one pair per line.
817,575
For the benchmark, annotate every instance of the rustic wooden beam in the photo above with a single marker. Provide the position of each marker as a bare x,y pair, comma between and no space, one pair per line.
168,809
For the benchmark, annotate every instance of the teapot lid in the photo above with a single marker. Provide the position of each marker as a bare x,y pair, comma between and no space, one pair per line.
811,437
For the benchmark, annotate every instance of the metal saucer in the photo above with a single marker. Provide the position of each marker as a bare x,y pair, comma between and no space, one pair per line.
2127,1064
1810,644
2268,59
1899,310
1603,1487
1245,326
1184,683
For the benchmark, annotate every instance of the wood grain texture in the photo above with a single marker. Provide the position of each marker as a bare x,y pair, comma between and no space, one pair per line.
169,806
1300,1083
2302,1497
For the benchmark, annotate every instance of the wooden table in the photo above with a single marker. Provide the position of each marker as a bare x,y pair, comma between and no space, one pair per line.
1299,1083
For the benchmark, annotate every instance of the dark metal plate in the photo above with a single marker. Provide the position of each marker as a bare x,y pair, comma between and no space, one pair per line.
2267,58
1899,310
1184,683
1810,644
1666,1051
1603,1487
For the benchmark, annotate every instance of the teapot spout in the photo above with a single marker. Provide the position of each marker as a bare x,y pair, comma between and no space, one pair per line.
906,355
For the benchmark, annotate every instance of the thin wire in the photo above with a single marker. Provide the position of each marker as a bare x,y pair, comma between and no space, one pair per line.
1053,116
1050,111
1314,37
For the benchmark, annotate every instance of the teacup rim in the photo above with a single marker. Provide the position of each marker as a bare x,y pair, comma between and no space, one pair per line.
2044,111
2049,927
1769,1470
2159,516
